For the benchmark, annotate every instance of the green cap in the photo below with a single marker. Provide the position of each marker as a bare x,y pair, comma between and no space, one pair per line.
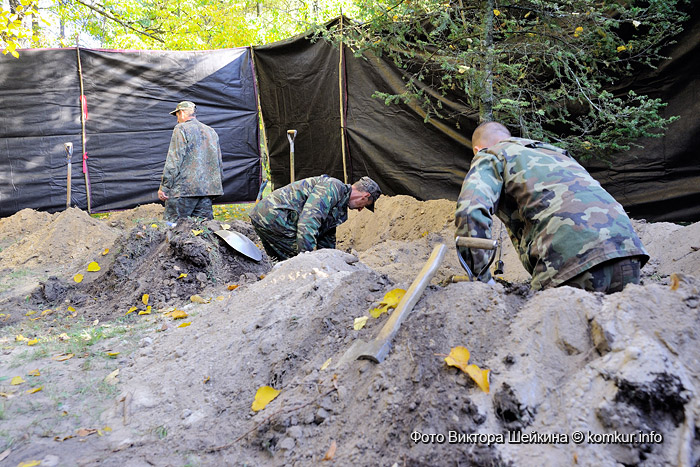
368,185
183,106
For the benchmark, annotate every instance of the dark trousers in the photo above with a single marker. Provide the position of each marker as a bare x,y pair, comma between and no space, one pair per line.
609,277
188,206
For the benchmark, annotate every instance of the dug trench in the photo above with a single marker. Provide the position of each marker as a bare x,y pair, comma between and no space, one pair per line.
561,361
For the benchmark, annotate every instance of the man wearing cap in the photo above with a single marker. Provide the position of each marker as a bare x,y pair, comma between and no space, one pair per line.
193,168
303,215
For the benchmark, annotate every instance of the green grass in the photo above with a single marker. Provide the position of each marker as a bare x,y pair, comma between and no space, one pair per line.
227,212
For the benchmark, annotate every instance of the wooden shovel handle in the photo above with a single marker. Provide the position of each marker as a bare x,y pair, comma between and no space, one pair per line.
473,242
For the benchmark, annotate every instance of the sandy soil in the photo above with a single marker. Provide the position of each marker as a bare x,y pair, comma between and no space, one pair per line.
104,385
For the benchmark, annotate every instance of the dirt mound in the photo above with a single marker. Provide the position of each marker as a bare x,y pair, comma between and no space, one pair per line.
622,371
168,265
69,241
395,218
140,214
20,225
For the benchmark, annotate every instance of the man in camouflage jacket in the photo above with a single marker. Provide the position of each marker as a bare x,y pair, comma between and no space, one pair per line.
566,228
193,170
303,215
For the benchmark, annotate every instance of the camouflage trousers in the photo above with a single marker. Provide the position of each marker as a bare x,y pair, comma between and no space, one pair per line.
277,246
188,206
609,277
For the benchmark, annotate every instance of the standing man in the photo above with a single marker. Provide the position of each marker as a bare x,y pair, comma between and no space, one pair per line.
566,228
303,215
193,169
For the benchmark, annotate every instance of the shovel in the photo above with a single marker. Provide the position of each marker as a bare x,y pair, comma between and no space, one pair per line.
240,243
378,348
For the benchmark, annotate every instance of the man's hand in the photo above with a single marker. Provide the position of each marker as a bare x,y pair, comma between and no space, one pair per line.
161,195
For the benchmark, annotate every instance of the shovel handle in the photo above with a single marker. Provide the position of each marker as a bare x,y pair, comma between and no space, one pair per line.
473,242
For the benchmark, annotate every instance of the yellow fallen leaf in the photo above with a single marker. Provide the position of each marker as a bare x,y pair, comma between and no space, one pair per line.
197,232
105,252
17,380
62,357
325,364
112,377
390,300
233,287
78,278
144,299
63,337
496,12
132,309
34,319
32,391
206,380
459,357
34,373
621,48
182,275
93,267
48,311
675,281
331,451
107,429
112,354
184,325
360,322
29,463
86,431
33,341
20,338
178,314
147,311
30,313
155,226
480,377
71,309
264,396
198,299
261,276
220,298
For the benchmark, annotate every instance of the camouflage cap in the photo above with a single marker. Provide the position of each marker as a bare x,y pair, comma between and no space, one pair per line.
368,185
183,106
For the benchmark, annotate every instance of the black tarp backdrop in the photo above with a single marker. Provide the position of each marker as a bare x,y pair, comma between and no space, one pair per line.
129,96
428,161
39,98
299,90
661,181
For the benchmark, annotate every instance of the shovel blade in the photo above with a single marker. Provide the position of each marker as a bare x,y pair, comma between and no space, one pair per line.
240,243
374,350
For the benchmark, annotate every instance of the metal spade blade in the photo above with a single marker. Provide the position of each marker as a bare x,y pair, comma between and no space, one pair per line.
240,243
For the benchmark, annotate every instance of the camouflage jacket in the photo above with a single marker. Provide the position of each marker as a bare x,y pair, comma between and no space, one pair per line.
193,166
561,221
308,209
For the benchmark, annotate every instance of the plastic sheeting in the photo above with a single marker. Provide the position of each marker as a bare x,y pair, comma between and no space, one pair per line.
129,96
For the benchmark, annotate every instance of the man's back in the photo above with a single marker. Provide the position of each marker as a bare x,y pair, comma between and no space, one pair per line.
194,165
561,221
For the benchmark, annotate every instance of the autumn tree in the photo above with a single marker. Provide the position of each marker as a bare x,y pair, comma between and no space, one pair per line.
551,70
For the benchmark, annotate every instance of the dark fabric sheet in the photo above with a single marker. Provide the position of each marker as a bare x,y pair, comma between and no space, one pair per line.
299,90
129,96
41,111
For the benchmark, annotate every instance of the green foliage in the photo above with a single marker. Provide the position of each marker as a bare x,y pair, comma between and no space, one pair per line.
159,24
552,69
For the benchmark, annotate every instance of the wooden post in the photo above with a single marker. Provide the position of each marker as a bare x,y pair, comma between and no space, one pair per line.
83,106
342,107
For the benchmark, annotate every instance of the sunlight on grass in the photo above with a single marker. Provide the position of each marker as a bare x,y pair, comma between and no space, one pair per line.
227,212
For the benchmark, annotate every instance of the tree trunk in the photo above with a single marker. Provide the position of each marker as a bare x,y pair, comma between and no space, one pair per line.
487,50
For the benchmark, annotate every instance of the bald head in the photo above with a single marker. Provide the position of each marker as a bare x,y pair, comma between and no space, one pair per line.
487,134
